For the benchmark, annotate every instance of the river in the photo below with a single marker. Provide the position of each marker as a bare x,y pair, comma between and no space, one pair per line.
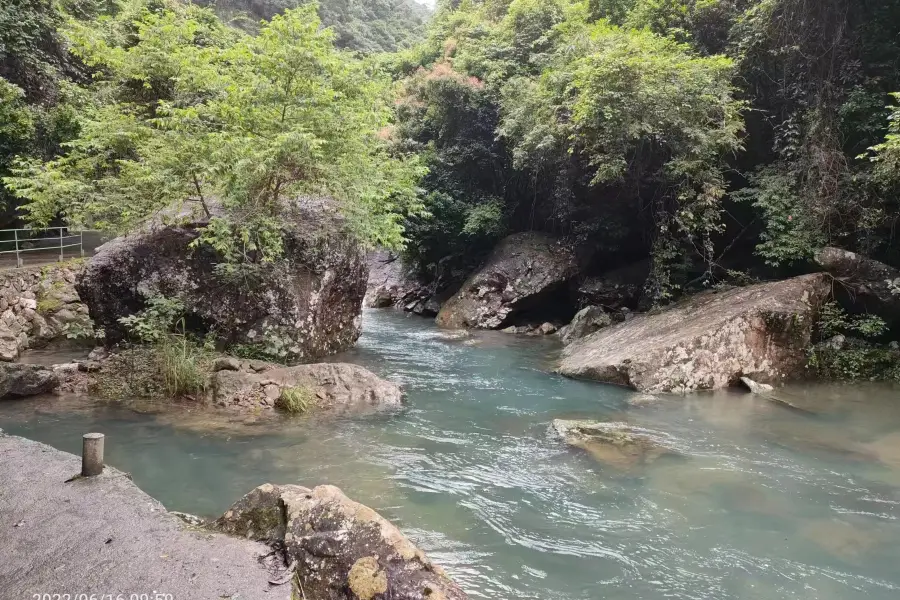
761,502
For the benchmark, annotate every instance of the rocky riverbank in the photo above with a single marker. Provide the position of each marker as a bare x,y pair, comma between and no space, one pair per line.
103,535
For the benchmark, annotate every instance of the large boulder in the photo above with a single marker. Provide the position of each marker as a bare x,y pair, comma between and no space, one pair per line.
342,550
305,305
708,341
872,283
391,282
521,273
585,322
20,380
616,289
329,386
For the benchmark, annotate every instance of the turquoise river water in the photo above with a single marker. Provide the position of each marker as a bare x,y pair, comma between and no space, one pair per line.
761,503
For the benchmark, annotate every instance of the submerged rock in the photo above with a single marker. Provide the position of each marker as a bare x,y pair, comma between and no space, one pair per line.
522,272
708,341
586,321
20,380
305,305
619,445
328,386
342,549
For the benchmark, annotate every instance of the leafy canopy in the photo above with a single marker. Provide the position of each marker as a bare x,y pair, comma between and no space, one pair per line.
184,108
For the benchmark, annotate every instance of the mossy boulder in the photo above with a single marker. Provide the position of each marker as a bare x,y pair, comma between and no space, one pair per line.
303,306
343,550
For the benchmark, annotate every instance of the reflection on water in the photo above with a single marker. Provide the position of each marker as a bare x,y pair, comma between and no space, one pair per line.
763,503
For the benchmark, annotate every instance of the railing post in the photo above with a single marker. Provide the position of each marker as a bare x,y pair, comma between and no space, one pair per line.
81,241
61,258
18,258
92,454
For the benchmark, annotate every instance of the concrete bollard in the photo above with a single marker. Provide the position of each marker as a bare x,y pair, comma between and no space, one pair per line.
92,454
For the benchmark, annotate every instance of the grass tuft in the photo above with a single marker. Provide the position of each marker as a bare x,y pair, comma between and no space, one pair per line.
296,399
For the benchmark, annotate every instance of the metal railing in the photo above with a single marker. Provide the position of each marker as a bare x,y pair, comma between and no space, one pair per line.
34,240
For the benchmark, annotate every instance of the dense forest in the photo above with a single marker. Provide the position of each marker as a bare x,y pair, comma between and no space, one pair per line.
721,141
361,25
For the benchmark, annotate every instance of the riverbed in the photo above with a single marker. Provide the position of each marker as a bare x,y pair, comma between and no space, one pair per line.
759,502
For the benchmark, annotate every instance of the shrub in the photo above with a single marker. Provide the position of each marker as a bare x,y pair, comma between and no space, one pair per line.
183,365
296,399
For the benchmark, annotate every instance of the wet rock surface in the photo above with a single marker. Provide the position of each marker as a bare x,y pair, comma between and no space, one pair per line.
521,273
304,306
708,341
330,386
342,550
19,380
618,445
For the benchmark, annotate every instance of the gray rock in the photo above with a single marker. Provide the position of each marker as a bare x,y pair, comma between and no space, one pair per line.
227,363
305,305
757,388
522,271
873,283
707,341
618,445
547,329
391,282
585,322
19,380
342,549
336,386
616,289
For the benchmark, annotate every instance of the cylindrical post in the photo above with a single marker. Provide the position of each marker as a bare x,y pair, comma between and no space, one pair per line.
81,242
61,258
18,258
92,454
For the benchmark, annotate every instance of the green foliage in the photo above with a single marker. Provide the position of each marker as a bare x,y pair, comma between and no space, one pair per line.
834,320
185,109
156,321
790,235
362,25
855,358
183,366
296,399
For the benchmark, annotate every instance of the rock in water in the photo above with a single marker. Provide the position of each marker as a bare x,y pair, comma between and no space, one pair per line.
586,321
521,273
305,305
19,380
332,386
619,445
343,550
708,341
757,388
874,284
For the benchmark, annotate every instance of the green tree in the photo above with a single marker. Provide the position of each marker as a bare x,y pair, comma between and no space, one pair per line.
189,110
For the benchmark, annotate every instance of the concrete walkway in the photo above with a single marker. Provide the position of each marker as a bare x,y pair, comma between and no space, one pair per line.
105,536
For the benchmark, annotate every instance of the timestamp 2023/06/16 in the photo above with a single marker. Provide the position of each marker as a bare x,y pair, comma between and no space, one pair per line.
154,595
